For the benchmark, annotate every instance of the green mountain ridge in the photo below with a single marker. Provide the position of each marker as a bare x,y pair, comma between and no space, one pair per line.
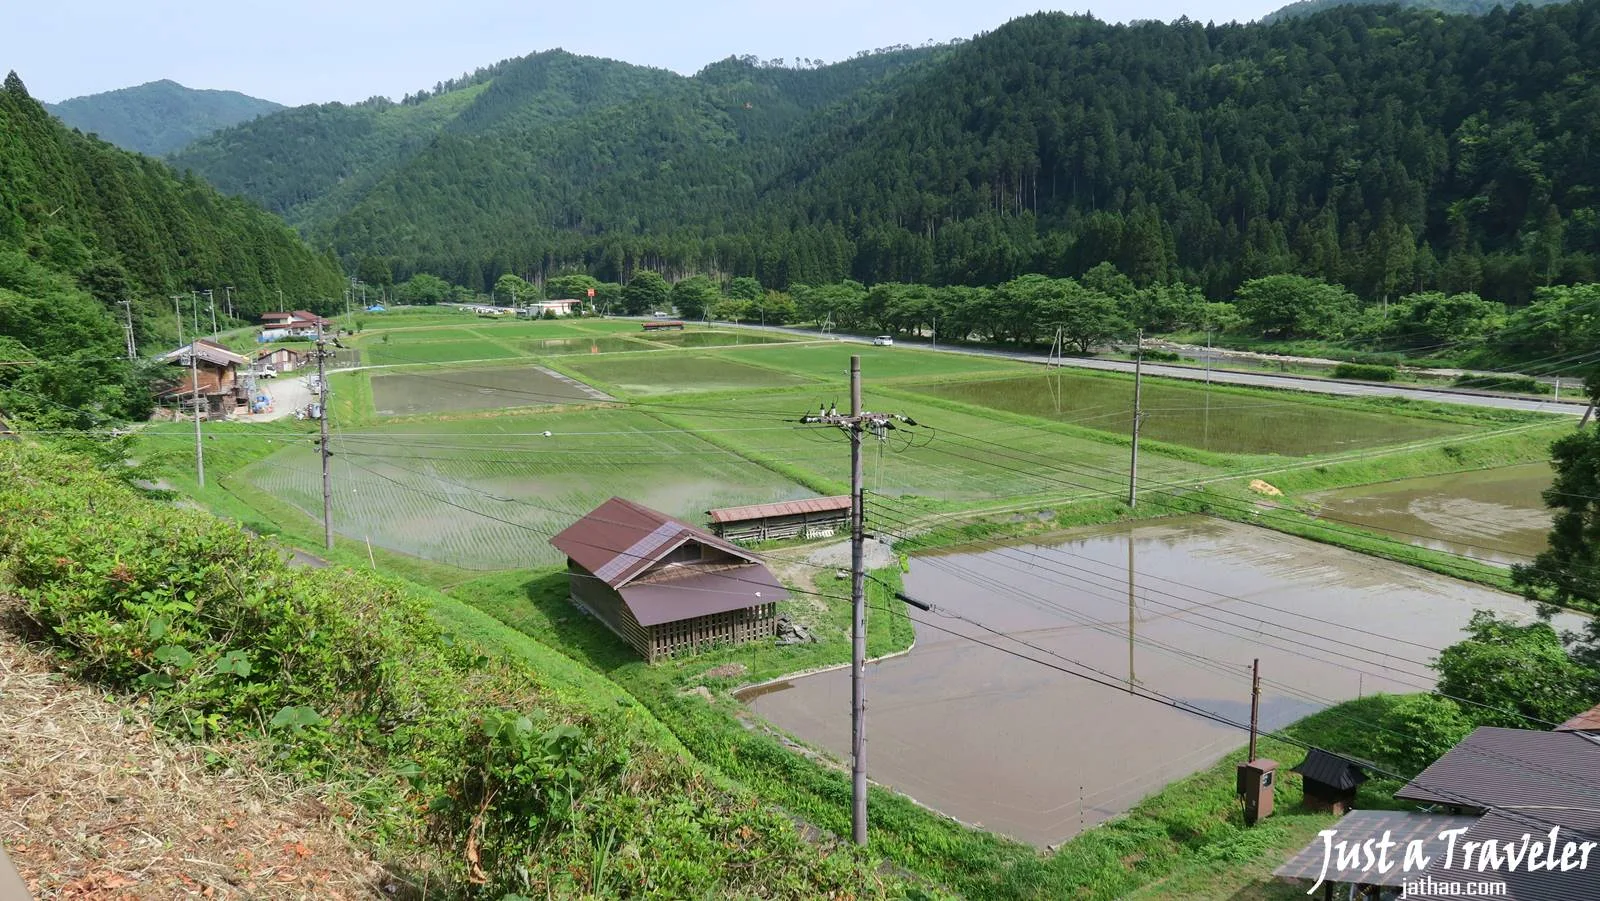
159,117
1451,7
1379,147
85,226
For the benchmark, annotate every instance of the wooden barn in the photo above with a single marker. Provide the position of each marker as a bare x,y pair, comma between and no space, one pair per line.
1330,780
816,517
663,585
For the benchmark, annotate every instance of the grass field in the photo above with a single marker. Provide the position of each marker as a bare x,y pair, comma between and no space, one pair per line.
1227,421
832,361
645,375
487,493
711,338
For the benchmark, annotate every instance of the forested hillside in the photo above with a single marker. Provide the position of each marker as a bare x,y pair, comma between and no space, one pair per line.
159,117
85,226
1388,150
310,163
1456,7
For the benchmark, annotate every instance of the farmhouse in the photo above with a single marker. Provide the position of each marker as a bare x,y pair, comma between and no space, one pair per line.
1501,787
281,359
221,390
816,517
538,308
664,586
298,324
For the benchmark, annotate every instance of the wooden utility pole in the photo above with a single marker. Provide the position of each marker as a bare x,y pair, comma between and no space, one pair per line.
1131,678
858,618
322,419
211,302
856,423
1255,705
194,382
1138,415
127,327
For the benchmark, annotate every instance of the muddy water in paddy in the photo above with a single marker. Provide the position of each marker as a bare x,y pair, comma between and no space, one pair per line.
1494,514
1036,754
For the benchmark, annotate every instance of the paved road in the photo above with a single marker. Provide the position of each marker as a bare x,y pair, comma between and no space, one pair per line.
1253,379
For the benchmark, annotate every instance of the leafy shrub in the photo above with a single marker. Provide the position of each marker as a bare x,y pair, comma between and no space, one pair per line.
1417,730
1367,372
1519,383
344,677
1163,356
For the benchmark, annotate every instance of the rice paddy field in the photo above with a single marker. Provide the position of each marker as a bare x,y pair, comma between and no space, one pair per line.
412,392
653,374
469,478
1227,421
488,493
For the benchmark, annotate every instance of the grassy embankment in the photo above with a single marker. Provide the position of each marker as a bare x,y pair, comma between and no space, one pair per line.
477,774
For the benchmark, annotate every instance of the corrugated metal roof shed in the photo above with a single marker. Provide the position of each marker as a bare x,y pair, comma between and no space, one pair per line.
1521,883
784,508
1331,770
619,539
702,594
209,351
1359,825
1497,767
1587,721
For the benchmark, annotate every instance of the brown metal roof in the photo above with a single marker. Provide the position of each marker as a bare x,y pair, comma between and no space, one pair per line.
702,594
1330,769
785,508
1497,767
209,351
620,539
1587,721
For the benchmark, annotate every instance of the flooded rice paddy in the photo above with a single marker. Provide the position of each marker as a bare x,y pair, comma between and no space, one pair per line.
449,391
1216,420
1495,515
652,374
1039,755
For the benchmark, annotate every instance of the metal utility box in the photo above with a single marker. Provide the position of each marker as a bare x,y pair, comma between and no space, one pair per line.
1256,781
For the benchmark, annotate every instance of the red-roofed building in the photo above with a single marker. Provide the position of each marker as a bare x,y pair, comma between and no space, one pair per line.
813,517
663,585
1587,721
298,324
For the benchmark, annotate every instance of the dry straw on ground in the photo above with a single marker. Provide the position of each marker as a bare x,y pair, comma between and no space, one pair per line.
95,804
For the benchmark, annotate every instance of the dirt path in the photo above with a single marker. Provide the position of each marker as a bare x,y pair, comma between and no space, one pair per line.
94,804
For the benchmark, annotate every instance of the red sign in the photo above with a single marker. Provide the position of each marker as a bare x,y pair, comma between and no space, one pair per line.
591,292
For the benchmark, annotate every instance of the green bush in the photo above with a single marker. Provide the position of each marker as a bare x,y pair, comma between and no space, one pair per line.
1518,383
344,678
1163,356
1366,372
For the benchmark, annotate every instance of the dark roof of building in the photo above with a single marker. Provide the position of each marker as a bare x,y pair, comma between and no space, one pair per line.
275,315
1521,883
702,594
1587,721
785,508
1359,825
1496,767
267,352
1331,770
620,539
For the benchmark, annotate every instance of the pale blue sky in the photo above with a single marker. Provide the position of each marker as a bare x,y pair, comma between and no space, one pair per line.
309,51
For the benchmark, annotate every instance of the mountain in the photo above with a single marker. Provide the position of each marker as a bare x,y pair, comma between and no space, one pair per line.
310,163
1452,7
1378,147
85,226
159,117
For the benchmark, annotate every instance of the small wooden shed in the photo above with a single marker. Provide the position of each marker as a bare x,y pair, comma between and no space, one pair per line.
663,585
815,517
1330,780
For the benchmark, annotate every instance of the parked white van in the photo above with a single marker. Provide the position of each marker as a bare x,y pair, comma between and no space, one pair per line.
883,341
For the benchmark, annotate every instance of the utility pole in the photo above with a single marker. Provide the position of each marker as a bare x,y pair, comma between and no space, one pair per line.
1131,678
194,382
229,289
855,424
194,298
1255,705
1138,415
322,419
127,327
1205,440
858,618
211,301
